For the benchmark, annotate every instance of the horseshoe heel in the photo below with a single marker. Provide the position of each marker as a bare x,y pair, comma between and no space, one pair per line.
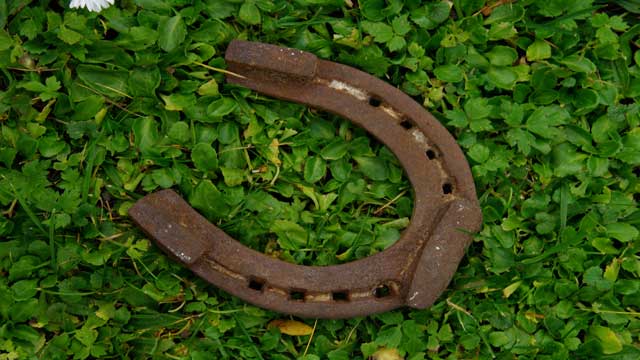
412,272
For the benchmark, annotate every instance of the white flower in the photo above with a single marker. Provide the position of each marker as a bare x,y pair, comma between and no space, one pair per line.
91,5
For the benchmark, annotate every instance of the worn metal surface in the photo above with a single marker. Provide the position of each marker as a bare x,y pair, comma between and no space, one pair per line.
413,272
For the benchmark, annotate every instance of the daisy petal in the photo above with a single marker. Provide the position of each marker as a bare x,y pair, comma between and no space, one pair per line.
91,5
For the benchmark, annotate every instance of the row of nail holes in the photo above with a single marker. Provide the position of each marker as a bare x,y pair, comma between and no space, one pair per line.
299,295
447,188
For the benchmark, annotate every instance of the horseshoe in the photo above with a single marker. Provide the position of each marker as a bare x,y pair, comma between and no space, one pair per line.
413,272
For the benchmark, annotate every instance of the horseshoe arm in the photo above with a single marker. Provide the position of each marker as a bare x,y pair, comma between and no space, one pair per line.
307,291
442,253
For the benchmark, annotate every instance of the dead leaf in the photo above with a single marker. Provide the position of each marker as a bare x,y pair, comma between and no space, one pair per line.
487,10
291,327
273,152
386,354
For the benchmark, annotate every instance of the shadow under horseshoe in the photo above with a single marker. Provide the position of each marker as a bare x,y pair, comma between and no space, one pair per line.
412,272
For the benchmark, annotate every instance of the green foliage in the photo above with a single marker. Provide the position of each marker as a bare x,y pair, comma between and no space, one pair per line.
97,110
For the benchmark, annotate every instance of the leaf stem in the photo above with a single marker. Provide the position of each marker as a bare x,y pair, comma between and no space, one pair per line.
52,241
389,203
246,334
27,209
310,338
219,70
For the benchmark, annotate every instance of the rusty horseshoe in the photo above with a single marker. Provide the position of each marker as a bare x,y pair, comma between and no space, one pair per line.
412,272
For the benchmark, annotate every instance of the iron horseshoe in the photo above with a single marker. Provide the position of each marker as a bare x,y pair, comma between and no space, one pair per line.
413,272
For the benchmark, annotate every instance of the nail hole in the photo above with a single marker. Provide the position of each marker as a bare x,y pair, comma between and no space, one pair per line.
382,291
375,102
340,296
256,284
431,154
297,295
447,188
406,124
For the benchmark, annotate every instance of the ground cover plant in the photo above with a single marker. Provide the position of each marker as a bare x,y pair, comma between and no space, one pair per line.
99,109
